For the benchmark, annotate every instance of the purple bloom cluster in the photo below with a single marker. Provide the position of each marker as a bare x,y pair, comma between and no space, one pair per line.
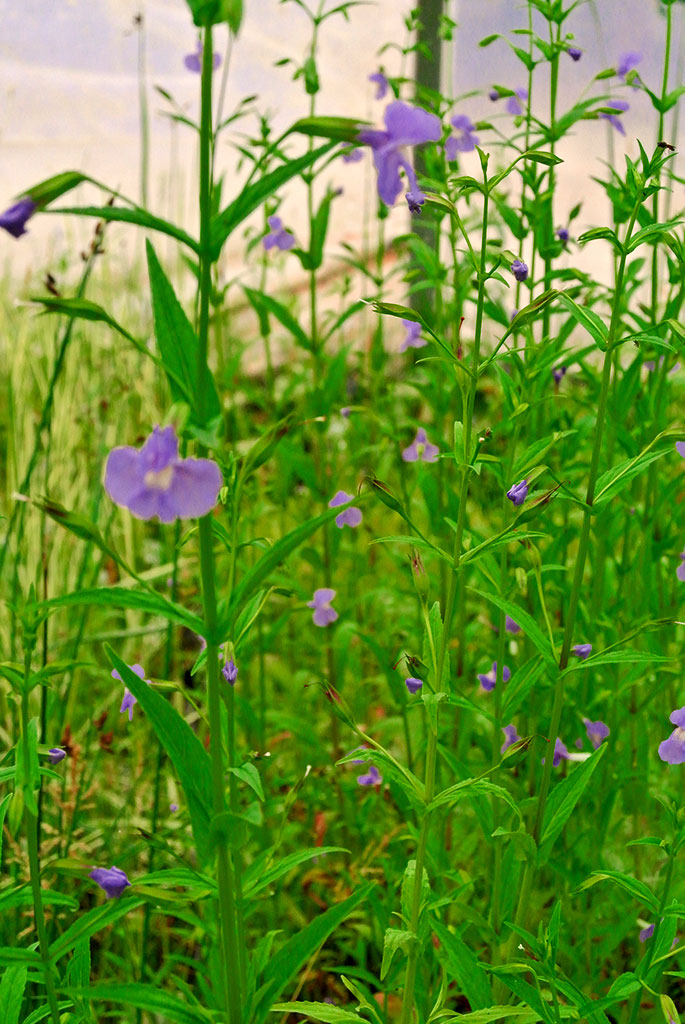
193,61
421,449
278,236
152,480
520,270
129,700
465,141
351,516
614,120
413,337
324,613
404,126
488,680
112,880
511,737
672,750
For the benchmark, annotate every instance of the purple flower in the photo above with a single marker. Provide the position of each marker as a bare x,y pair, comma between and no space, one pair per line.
345,411
582,651
513,105
372,778
626,63
646,933
518,493
405,126
511,626
613,119
672,750
173,808
193,61
680,571
421,449
381,83
351,516
574,53
278,236
112,880
562,235
488,681
413,684
558,372
560,754
596,732
493,95
129,700
413,337
679,446
352,156
230,672
56,755
465,141
520,270
323,615
152,480
14,219
511,736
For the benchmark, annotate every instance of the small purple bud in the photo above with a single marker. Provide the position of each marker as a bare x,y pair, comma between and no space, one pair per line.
518,493
493,95
574,53
511,626
562,235
230,672
56,755
14,219
558,372
582,651
520,270
112,880
413,684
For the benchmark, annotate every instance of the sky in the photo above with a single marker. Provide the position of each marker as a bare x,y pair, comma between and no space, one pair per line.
69,95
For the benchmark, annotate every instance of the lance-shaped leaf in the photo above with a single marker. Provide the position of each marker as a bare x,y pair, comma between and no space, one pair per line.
186,752
84,309
563,800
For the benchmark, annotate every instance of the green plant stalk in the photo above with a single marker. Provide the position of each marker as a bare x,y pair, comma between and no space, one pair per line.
412,958
144,115
657,927
228,911
431,750
576,586
31,826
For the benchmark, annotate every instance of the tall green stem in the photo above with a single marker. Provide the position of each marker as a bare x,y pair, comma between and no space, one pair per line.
31,825
558,704
228,911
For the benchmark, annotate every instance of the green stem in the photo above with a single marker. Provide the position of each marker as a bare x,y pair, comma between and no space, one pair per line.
557,707
228,916
31,825
657,928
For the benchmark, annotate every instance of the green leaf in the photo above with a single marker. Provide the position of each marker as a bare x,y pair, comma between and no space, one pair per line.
323,1012
635,888
52,188
563,800
588,319
340,129
249,774
12,993
462,965
83,309
523,1014
615,479
395,939
179,347
121,597
146,997
186,752
93,921
652,232
253,195
126,215
288,961
263,303
276,554
526,622
256,879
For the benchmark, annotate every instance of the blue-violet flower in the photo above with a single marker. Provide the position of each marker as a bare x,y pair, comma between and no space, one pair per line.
351,516
324,614
518,493
112,880
421,449
404,126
